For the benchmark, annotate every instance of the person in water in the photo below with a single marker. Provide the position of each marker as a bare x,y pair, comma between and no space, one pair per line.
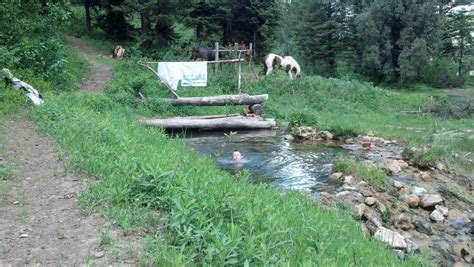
236,155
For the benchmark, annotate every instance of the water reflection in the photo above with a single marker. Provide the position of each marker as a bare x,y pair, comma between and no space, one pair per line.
271,158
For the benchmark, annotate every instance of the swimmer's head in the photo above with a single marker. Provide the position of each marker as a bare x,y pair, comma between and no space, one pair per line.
236,155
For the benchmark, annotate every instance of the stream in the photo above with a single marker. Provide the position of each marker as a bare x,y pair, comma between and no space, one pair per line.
271,158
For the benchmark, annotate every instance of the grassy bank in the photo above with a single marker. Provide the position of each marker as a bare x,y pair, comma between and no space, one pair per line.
340,106
211,218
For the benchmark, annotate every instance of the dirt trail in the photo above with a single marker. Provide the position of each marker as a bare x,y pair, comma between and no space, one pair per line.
101,74
41,221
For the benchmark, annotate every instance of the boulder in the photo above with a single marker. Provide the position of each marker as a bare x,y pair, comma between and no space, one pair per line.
436,216
342,194
419,191
402,221
370,201
412,200
442,209
430,200
350,141
391,238
440,166
391,167
359,210
403,164
398,184
366,145
336,176
426,176
422,228
370,133
326,135
349,179
305,133
347,187
289,137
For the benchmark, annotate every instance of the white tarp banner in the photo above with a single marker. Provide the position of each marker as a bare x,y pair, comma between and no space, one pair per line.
189,73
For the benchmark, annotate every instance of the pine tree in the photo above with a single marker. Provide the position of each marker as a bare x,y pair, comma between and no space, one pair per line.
320,34
397,38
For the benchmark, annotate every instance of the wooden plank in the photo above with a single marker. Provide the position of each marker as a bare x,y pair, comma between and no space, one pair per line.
220,100
235,122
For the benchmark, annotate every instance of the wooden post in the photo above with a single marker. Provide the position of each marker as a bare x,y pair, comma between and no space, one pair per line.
217,54
251,60
240,75
236,48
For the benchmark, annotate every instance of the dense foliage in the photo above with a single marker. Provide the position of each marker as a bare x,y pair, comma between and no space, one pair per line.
32,48
396,42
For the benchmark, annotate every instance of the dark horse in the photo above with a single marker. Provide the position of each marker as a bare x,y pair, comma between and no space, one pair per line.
206,53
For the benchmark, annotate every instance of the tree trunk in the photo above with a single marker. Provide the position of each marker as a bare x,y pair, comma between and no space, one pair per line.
87,6
217,100
211,122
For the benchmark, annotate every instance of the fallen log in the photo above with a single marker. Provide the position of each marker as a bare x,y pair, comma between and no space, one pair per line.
211,123
220,100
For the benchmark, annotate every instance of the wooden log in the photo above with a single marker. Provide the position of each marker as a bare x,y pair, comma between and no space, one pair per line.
256,109
234,122
219,100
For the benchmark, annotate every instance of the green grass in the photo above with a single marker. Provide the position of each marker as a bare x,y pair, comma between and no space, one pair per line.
6,171
211,218
374,176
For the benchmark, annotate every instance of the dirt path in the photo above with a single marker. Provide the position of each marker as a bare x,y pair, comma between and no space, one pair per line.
41,221
101,74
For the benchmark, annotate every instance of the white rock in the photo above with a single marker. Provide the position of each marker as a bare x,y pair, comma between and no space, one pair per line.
336,176
326,135
419,191
343,194
440,166
24,235
403,164
398,185
348,187
350,141
430,200
436,216
99,254
349,179
442,209
289,137
359,210
391,167
412,200
370,201
392,238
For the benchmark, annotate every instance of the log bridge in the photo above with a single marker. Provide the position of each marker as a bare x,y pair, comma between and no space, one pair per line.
220,100
216,122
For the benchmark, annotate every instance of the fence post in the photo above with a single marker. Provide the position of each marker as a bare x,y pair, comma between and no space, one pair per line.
251,60
217,54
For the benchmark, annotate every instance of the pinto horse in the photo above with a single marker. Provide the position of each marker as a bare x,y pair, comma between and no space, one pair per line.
290,65
287,63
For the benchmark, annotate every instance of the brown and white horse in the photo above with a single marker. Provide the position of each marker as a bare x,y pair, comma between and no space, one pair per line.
287,63
290,65
270,62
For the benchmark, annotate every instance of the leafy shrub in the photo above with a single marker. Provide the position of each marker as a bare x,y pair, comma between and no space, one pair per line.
442,73
451,107
425,157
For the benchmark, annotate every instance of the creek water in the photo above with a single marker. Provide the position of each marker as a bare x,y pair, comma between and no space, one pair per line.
271,158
